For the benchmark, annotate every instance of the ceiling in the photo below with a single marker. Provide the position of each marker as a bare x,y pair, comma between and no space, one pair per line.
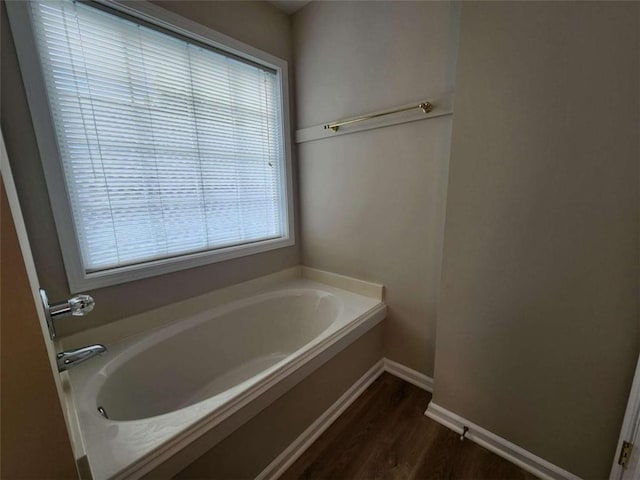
289,6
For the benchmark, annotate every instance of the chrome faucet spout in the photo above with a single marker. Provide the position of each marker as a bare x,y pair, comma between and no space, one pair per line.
68,359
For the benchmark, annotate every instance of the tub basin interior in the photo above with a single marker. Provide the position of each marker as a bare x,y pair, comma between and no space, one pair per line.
211,356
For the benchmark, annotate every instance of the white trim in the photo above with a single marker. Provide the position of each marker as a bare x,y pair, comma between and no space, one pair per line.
498,445
443,105
283,461
407,374
629,431
87,281
78,278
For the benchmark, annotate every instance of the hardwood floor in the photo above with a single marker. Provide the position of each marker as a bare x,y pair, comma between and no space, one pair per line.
385,435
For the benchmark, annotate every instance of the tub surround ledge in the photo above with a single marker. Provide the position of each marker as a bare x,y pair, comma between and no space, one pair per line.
159,317
367,289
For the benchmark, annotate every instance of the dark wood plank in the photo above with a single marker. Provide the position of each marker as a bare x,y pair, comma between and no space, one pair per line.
399,444
384,435
354,436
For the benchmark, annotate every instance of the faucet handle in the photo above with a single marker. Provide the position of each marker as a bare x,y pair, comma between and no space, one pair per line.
78,306
81,305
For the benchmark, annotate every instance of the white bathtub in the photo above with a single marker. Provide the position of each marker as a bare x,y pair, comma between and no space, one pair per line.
164,388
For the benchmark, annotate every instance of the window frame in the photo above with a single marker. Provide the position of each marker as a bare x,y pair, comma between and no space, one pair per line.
37,98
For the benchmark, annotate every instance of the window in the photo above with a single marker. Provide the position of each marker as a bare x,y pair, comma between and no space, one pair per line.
173,147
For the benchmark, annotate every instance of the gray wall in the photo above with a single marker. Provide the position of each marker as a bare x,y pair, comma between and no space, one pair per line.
372,203
256,23
537,332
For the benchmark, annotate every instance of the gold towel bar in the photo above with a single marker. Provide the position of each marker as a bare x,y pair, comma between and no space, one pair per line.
426,107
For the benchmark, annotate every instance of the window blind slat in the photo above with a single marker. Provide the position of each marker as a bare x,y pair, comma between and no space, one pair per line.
168,148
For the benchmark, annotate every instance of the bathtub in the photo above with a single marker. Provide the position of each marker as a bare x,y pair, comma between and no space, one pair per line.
155,392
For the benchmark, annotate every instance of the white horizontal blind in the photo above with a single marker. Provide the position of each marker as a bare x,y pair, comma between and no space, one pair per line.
168,148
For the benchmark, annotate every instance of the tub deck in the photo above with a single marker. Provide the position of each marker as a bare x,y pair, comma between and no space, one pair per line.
133,445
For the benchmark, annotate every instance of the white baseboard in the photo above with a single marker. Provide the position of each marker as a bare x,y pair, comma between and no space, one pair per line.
407,374
498,445
283,461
